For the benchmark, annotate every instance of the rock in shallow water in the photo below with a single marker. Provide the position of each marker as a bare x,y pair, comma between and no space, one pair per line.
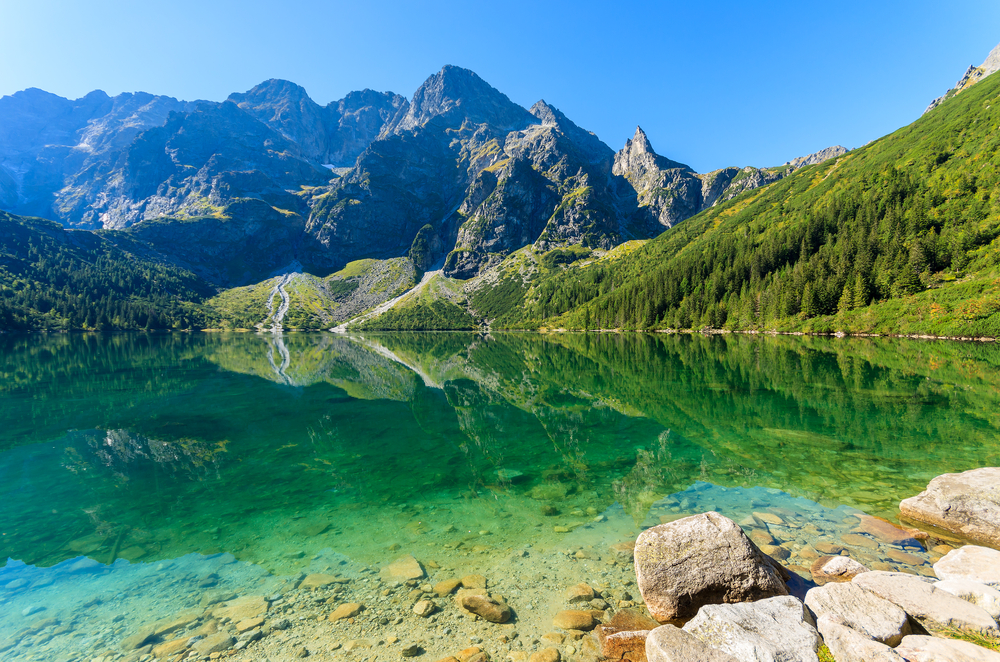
965,503
835,569
768,630
700,560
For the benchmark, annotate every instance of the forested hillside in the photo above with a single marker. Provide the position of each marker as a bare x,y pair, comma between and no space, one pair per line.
897,236
54,279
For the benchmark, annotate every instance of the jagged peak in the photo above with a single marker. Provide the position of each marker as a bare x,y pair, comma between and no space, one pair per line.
818,157
462,93
271,89
640,142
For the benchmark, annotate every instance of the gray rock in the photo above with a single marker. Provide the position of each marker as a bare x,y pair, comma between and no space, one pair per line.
699,560
836,569
967,504
849,645
978,594
920,648
978,564
772,630
862,610
925,603
668,643
214,643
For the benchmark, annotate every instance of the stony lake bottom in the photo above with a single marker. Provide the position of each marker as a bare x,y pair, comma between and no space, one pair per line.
138,472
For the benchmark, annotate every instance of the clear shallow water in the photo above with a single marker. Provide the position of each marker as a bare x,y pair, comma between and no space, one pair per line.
140,451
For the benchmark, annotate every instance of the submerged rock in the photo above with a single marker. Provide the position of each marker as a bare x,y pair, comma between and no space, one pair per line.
835,569
402,569
624,638
700,560
966,503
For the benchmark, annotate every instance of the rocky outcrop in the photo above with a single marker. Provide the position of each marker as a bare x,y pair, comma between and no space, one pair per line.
967,504
669,643
848,645
701,560
971,76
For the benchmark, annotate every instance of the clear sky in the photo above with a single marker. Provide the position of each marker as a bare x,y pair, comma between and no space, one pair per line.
712,83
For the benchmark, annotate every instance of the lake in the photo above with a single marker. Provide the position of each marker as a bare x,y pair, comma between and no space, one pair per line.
138,471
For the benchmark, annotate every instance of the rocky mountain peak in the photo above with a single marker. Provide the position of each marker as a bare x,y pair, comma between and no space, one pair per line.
455,95
818,157
638,157
639,144
586,141
972,76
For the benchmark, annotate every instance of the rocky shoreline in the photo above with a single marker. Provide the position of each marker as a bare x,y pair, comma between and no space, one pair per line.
713,583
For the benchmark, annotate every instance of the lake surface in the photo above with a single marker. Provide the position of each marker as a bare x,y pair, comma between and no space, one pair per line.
130,464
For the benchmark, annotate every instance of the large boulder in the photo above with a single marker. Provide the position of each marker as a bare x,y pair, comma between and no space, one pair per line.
701,560
861,610
919,648
848,645
772,630
918,598
967,503
669,643
979,564
978,594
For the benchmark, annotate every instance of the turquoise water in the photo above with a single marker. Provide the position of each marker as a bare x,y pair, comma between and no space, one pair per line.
258,457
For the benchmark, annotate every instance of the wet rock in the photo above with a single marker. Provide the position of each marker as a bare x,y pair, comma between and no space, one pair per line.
138,638
545,655
486,608
775,628
761,537
84,565
981,595
424,608
243,608
776,552
899,556
411,650
250,635
671,644
700,560
402,569
301,651
885,531
549,511
467,654
979,564
624,637
861,610
347,610
829,548
919,648
857,540
579,593
923,602
169,648
213,643
446,587
16,584
249,624
767,518
835,569
623,550
967,504
317,580
474,581
210,598
849,645
574,619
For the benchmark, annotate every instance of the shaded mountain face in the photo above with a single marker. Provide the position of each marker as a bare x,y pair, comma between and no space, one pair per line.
460,175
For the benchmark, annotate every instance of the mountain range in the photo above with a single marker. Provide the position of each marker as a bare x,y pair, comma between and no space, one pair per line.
459,209
237,190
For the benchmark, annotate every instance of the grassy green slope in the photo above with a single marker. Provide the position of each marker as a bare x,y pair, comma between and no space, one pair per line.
56,279
899,236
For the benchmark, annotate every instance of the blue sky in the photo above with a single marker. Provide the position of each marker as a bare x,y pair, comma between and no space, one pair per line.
713,84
